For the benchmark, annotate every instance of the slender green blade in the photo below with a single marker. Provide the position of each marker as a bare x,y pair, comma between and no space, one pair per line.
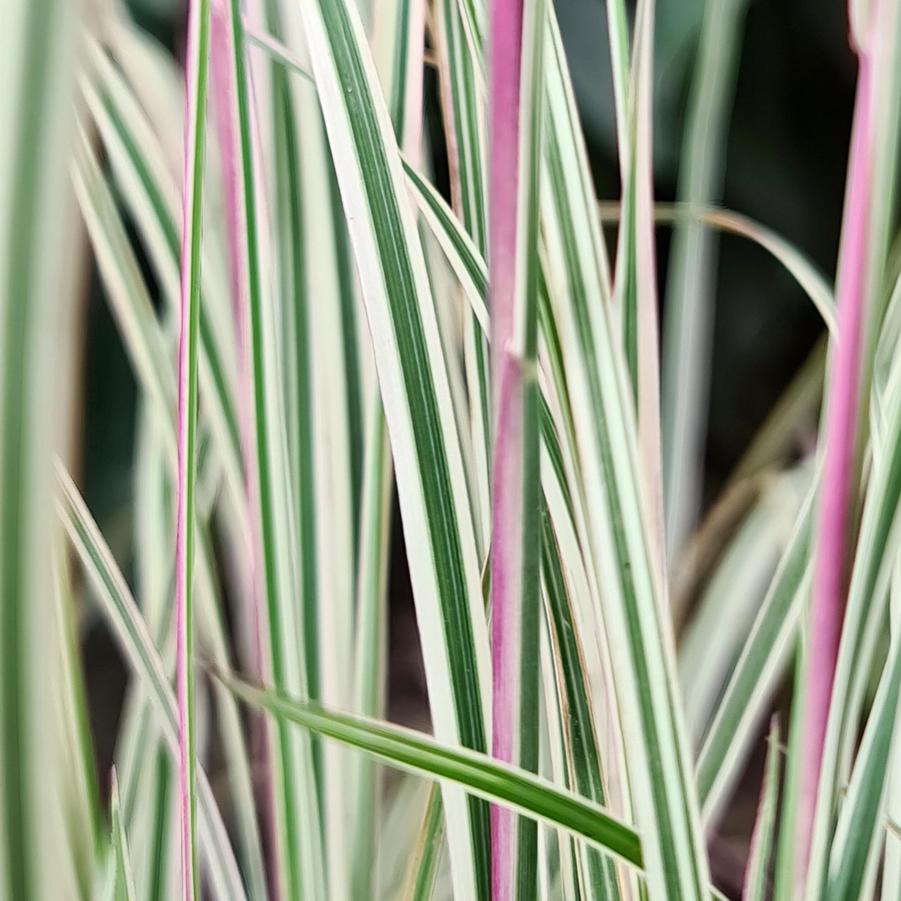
124,886
299,857
759,857
759,666
478,773
584,767
415,392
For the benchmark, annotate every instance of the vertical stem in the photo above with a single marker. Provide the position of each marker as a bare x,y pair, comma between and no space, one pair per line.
516,38
192,196
830,572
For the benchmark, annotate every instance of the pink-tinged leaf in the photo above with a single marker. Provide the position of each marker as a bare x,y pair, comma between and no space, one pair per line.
506,49
833,527
514,55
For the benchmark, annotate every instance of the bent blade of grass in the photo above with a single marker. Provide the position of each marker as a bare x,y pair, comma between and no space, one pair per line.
337,459
399,45
471,270
298,244
477,773
808,277
327,318
418,408
627,564
125,619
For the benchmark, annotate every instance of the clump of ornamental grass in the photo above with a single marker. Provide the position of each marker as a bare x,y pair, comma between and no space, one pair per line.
314,328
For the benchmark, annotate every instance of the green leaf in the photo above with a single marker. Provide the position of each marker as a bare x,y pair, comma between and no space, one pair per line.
477,773
124,888
418,409
759,858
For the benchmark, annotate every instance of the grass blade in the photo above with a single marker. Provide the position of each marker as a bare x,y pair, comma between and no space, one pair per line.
585,769
124,881
419,414
299,857
477,772
757,669
859,301
757,873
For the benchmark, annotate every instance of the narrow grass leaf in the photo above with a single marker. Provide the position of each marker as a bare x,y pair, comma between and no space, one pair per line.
124,880
833,533
759,859
415,392
757,670
299,859
477,773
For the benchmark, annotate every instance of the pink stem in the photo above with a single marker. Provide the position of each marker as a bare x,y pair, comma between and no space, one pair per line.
506,551
830,573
